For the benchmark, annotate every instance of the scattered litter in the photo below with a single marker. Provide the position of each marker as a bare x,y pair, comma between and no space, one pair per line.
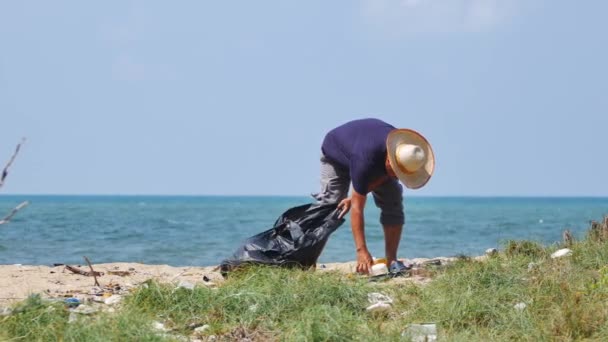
85,309
520,306
378,307
376,297
205,278
113,299
73,317
561,253
159,326
426,332
434,262
120,273
253,308
210,284
379,301
491,251
379,269
72,302
186,285
532,266
98,299
6,311
202,329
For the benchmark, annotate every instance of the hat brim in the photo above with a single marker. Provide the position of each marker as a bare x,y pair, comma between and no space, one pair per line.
417,179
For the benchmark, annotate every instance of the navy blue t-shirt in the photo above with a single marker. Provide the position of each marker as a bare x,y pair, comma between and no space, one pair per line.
360,147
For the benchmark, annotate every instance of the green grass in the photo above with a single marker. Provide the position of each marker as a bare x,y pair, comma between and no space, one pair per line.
566,299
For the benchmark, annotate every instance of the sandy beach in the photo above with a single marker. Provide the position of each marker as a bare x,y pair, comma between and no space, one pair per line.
17,282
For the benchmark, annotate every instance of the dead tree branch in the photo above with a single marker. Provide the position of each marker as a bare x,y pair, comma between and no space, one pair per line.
8,217
81,272
10,162
92,271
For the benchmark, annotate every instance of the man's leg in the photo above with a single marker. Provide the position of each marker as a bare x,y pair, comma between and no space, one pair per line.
389,198
334,183
392,237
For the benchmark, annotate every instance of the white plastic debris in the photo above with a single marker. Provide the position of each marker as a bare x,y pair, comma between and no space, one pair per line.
426,332
379,269
491,251
377,297
159,326
98,299
379,301
381,306
520,306
113,299
186,285
6,311
253,308
72,318
561,253
84,309
203,328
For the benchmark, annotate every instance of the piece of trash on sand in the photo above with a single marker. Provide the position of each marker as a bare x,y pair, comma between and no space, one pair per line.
85,309
378,307
186,285
120,273
380,302
72,302
113,299
6,311
561,253
432,262
159,326
377,297
202,328
379,269
73,317
520,306
425,332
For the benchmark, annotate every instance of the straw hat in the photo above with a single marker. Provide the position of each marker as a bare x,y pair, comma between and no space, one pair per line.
411,157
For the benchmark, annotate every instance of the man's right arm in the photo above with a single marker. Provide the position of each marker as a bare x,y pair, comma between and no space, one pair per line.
364,258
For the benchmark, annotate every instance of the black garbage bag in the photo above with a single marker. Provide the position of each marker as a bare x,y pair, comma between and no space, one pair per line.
296,240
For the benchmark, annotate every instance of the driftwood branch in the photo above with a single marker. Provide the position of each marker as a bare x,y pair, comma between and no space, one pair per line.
8,217
10,162
81,272
92,271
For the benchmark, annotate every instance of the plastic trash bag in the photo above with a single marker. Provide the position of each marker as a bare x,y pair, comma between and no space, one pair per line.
296,240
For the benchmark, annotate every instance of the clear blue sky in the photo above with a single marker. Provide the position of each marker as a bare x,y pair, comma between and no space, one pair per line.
194,97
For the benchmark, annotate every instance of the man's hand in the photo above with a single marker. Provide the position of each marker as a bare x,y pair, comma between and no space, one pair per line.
364,261
344,207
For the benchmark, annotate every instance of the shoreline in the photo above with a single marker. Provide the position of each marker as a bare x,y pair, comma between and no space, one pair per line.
17,282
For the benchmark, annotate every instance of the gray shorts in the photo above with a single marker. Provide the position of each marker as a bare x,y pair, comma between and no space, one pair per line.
335,181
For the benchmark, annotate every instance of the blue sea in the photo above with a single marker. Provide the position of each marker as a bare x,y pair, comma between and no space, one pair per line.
201,231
